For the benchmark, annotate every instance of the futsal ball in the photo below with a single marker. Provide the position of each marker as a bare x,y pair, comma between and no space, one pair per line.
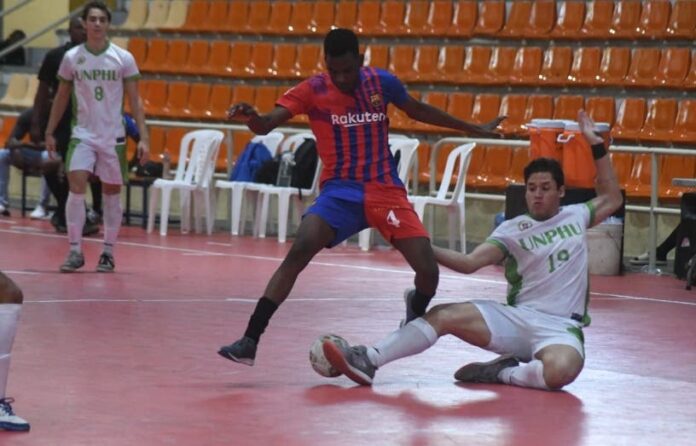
317,358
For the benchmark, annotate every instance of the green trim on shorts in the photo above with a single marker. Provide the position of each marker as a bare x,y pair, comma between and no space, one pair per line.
123,161
71,149
577,332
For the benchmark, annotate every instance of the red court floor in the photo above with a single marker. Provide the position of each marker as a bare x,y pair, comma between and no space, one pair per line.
130,358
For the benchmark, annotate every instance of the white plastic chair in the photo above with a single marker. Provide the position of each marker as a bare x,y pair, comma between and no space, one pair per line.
197,154
272,142
407,147
284,194
452,201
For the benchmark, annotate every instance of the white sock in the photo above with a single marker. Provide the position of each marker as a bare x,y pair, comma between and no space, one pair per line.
413,338
75,218
9,317
525,375
113,214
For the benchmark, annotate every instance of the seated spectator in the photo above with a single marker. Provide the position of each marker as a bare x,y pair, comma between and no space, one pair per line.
16,56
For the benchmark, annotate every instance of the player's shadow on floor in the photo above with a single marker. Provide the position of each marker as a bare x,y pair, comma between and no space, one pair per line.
530,416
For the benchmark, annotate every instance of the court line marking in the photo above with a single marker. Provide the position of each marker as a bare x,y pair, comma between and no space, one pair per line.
189,251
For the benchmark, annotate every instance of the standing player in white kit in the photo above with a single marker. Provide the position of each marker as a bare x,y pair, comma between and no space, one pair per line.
97,73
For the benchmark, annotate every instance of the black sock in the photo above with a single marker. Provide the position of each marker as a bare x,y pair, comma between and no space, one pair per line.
420,303
259,319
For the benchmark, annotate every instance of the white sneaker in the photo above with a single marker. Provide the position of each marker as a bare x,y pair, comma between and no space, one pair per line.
8,420
4,211
39,213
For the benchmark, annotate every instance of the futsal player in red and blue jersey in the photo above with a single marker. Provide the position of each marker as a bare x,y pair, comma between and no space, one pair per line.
360,187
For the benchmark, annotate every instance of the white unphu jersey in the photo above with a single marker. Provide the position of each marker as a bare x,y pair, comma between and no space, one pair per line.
98,92
547,262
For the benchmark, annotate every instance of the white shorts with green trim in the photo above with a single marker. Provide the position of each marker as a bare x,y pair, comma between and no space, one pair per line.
108,163
523,331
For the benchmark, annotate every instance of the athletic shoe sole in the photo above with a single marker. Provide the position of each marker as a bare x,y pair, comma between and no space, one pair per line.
336,358
227,355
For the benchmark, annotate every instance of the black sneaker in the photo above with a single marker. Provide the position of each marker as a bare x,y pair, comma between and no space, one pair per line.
74,261
8,420
90,228
59,223
351,361
242,351
485,372
106,263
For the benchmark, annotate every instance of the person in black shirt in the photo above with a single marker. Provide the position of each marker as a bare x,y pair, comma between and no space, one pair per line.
16,56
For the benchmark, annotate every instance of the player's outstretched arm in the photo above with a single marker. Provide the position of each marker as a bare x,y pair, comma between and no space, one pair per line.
423,112
259,124
609,196
485,254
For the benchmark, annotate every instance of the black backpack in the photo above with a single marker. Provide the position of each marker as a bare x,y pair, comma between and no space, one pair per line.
306,159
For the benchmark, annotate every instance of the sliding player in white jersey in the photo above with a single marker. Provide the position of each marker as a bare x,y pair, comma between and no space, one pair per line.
539,331
97,73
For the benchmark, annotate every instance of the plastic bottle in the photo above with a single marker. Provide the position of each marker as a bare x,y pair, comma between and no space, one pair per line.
285,170
166,164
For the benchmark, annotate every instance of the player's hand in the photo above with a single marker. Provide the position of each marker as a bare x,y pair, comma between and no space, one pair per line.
143,152
241,112
587,128
489,129
50,142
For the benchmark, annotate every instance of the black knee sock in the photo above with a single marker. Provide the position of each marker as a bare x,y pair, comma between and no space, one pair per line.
420,303
59,189
96,190
259,319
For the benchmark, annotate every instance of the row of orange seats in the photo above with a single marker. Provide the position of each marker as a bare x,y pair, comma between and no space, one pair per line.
661,120
572,19
493,168
673,67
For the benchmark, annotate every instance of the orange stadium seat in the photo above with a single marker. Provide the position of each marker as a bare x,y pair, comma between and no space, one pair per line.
598,19
626,20
440,18
391,20
527,66
177,99
217,17
157,137
685,123
279,18
644,67
177,56
674,66
485,108
284,59
198,100
172,142
156,55
259,65
659,122
377,56
155,98
638,183
601,109
8,123
682,21
496,169
367,18
475,70
196,17
461,105
219,63
518,19
450,63
437,99
258,18
541,19
197,58
474,174
585,68
220,102
539,106
137,46
243,93
176,15
265,98
501,65
308,60
567,106
491,18
416,18
629,119
301,18
514,106
614,65
423,153
654,18
556,66
675,166
621,162
157,13
323,17
401,61
571,16
425,62
518,161
464,18
690,81
143,85
347,15
237,17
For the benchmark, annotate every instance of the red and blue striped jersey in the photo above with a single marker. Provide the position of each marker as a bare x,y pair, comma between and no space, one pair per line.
351,130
